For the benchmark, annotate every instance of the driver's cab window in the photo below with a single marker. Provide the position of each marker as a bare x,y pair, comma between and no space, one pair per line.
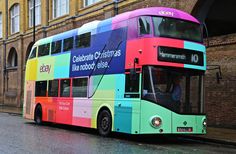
132,85
144,23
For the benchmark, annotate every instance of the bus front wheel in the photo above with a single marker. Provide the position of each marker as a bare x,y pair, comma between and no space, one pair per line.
38,115
104,123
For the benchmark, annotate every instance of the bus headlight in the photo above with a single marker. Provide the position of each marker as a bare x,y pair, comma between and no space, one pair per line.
156,122
204,123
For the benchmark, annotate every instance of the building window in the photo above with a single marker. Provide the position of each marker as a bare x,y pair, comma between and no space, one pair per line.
15,18
0,25
12,58
60,8
37,12
89,2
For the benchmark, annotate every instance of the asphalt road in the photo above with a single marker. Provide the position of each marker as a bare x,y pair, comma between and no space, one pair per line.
18,135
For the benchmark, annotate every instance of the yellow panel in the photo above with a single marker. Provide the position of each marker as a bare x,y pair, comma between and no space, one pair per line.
31,70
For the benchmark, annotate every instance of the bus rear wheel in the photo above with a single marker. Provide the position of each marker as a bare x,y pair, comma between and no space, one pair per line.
38,115
104,123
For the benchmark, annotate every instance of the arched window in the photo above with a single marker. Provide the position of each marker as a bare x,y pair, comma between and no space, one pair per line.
15,18
12,58
28,51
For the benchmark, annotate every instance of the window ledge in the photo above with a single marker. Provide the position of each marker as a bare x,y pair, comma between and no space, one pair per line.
12,68
92,5
59,18
12,93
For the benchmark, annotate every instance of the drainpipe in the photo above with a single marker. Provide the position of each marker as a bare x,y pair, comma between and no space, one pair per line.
116,7
34,21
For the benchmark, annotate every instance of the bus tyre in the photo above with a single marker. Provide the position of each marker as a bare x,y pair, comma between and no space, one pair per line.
38,115
104,123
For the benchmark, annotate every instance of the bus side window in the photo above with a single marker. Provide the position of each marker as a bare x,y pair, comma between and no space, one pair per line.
56,47
144,25
33,53
132,84
68,44
79,87
65,88
44,50
83,40
52,88
41,88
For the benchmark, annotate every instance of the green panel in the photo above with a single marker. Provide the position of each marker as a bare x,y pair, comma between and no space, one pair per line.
45,69
62,62
199,128
135,117
194,121
106,88
148,110
104,96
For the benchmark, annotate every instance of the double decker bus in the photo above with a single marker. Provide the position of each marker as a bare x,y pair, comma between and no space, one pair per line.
140,72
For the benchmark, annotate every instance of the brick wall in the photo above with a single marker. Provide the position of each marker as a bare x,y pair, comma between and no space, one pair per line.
221,98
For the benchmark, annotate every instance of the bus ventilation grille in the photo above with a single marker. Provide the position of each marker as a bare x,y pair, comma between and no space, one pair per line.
50,115
28,102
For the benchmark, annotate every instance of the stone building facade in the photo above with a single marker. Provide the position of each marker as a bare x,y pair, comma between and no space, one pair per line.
56,16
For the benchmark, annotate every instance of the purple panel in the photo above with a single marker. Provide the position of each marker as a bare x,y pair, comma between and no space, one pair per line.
158,11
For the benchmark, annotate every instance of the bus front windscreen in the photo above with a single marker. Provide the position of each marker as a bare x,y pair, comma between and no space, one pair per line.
179,90
175,28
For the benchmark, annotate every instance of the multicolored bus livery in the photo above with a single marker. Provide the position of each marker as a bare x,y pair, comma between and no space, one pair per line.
140,72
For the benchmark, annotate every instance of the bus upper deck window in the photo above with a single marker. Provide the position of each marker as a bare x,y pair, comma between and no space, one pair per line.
83,40
144,25
68,44
44,50
33,53
56,47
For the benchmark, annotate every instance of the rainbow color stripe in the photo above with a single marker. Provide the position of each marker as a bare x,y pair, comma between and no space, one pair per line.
129,115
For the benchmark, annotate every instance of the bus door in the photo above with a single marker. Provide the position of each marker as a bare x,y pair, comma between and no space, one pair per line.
127,110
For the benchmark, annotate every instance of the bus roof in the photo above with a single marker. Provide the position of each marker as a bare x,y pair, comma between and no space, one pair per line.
107,24
156,11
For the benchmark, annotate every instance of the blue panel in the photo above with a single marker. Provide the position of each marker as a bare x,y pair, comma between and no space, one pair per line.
197,47
64,35
194,46
104,26
107,50
123,117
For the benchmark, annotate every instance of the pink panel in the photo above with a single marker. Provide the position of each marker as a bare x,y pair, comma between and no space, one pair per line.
85,122
82,108
145,49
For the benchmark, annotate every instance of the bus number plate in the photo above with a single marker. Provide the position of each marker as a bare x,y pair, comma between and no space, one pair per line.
184,129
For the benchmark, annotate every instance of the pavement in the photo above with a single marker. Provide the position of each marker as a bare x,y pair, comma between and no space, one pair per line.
216,135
